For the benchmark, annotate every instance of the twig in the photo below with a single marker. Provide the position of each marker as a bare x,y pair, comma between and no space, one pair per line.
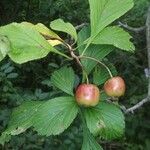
71,50
137,106
73,55
148,44
80,26
137,30
147,27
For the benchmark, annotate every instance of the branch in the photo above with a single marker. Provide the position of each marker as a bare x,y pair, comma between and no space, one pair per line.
137,30
147,27
137,106
71,50
148,44
80,26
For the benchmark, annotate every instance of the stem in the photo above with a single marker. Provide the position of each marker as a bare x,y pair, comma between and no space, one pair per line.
78,46
86,76
88,43
73,55
85,49
91,58
78,61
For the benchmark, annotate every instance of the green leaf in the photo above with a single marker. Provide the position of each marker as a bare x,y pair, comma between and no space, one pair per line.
9,69
95,51
4,46
55,116
104,12
60,25
42,29
115,36
4,138
26,43
101,75
89,142
46,32
64,79
105,120
48,117
21,119
12,75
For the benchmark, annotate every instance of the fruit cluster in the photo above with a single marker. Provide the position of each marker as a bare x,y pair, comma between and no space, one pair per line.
89,94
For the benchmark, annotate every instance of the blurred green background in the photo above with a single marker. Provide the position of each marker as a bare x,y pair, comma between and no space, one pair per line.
31,83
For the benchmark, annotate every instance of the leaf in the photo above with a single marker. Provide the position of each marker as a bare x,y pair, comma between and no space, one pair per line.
104,12
115,36
22,116
55,116
48,117
9,69
101,75
105,120
47,82
12,76
5,66
46,32
26,43
4,138
64,79
54,42
60,25
4,46
21,119
95,51
89,142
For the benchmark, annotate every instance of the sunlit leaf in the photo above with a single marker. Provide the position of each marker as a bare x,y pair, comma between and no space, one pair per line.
46,32
60,25
4,46
26,43
115,36
104,12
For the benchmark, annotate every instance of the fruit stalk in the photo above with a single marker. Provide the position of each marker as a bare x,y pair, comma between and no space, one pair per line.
91,58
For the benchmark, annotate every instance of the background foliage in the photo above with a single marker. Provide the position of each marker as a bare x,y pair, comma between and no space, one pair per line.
19,82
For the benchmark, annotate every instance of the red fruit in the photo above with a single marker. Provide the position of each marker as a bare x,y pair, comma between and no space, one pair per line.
115,87
87,95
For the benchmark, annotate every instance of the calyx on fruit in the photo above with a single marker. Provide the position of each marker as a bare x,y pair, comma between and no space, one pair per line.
115,87
87,95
